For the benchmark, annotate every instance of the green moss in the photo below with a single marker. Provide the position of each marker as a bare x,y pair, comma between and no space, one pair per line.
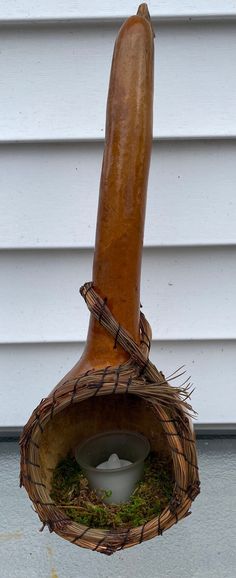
70,490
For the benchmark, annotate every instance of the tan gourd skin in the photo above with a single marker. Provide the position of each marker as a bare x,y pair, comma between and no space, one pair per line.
123,186
127,399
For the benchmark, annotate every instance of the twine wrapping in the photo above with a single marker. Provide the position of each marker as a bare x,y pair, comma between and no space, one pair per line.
138,377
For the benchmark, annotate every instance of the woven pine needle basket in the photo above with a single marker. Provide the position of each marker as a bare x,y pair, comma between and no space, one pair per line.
134,396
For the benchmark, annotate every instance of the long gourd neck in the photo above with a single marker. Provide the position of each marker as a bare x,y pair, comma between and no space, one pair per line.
123,186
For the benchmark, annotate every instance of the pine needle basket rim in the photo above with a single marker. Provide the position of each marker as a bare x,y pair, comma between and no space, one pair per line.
138,377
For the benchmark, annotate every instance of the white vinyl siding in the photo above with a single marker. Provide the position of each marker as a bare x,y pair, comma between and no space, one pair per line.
54,81
63,10
29,371
54,72
49,194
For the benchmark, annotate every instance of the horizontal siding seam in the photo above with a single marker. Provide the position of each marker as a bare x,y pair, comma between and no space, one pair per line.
101,20
201,429
194,245
146,247
100,139
81,342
